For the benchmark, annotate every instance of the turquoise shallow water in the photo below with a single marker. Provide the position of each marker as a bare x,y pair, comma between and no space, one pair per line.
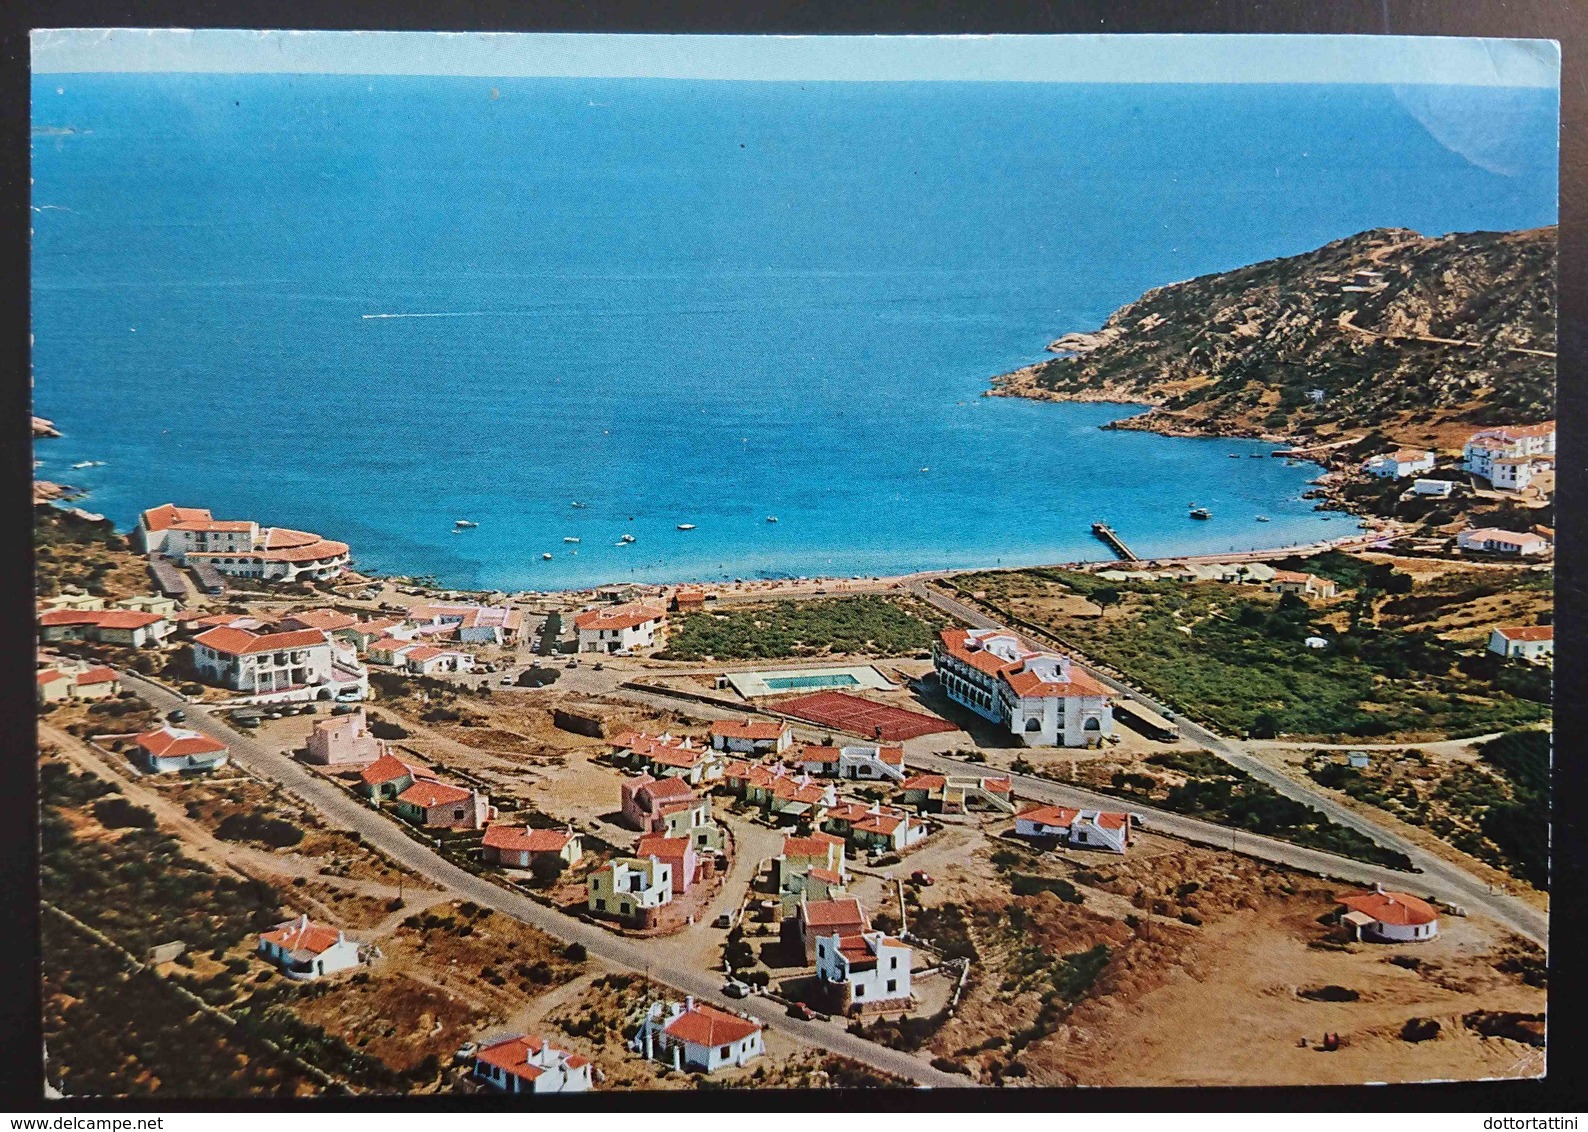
675,302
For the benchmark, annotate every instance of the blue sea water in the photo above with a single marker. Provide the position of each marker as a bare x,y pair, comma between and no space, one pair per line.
683,302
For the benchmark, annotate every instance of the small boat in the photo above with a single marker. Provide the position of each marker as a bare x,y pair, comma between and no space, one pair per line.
464,524
1235,455
570,538
547,556
84,464
1263,519
771,518
576,503
926,468
621,542
686,526
626,538
1201,513
1255,456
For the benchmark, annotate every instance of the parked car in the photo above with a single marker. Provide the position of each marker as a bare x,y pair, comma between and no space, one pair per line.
507,678
273,715
799,1010
733,988
341,709
176,716
921,879
309,709
724,920
598,666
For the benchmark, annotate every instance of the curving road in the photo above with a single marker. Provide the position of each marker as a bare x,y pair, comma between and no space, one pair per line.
1449,881
348,813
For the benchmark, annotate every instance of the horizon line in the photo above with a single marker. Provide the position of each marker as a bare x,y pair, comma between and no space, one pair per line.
1112,59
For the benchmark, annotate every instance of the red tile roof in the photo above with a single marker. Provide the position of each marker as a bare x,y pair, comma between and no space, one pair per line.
1392,908
1520,633
512,1056
956,644
522,839
1060,816
617,617
816,845
753,729
303,935
838,913
168,741
327,619
660,845
240,642
667,789
389,768
707,1026
105,618
425,793
97,676
168,515
50,675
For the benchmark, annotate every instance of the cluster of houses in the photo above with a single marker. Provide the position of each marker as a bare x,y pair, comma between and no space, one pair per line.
1511,455
1230,573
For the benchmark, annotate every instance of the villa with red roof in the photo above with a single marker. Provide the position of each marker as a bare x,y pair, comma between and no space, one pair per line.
1493,540
864,971
1530,642
328,620
800,855
471,624
751,736
519,846
388,776
677,852
868,763
665,756
1296,582
127,627
171,748
303,664
1043,698
1389,917
440,805
697,1036
1093,829
304,949
240,548
1399,464
65,681
519,1064
618,628
958,793
820,919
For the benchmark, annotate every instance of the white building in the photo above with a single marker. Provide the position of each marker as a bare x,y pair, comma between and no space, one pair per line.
520,1064
1087,828
631,888
1390,917
618,628
860,762
867,970
430,660
170,748
1438,489
698,1036
474,624
304,949
1533,442
280,667
240,548
1399,464
1041,697
1526,641
751,737
1495,541
1511,473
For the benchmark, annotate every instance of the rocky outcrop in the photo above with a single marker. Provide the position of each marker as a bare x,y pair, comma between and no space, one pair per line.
1371,332
42,427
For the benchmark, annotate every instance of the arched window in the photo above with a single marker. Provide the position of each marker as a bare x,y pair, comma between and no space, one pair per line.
1093,724
1033,724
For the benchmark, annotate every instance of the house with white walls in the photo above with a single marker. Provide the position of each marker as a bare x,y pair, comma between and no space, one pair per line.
1530,642
1087,829
304,950
864,972
517,1063
1042,698
618,628
695,1035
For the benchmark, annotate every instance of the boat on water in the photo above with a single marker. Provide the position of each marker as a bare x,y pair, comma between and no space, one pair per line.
547,555
1201,513
626,538
464,524
926,468
1263,519
576,503
1235,455
771,518
570,538
686,526
621,542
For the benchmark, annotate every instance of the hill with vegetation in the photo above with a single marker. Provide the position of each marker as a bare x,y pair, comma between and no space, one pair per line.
1422,338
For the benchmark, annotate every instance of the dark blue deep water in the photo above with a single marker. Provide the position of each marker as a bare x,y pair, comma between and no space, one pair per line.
688,302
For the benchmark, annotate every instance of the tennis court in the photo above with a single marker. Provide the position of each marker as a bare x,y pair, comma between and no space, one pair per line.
877,722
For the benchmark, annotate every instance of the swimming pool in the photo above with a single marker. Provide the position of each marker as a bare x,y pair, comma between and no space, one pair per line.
823,680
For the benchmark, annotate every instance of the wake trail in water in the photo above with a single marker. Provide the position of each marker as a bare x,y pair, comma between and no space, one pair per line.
437,314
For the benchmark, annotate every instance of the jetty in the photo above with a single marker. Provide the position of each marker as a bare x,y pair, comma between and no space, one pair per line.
1111,537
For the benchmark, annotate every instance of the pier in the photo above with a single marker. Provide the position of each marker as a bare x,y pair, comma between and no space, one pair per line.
1111,537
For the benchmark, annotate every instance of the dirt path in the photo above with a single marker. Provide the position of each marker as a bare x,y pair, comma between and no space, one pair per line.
535,1011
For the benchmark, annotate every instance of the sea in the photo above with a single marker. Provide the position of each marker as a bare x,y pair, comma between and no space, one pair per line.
582,309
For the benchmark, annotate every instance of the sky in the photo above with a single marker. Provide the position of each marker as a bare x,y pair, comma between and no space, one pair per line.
1400,60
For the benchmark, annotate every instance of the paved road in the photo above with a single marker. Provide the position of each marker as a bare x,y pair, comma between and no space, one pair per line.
347,812
1447,880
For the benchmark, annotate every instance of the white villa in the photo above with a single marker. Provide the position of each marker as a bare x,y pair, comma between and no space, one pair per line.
169,748
1041,697
280,667
864,971
1496,454
520,1064
1086,828
698,1036
631,888
1399,464
1529,642
618,628
240,548
863,762
1438,489
304,949
1389,917
1496,541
